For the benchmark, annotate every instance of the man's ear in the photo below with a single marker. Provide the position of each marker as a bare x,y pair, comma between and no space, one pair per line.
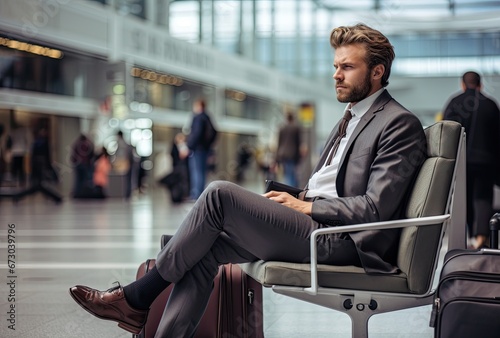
378,71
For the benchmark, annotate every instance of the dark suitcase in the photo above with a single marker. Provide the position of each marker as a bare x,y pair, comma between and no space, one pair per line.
241,312
467,299
234,309
208,326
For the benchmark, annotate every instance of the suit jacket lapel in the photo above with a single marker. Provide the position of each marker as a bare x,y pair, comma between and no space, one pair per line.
377,106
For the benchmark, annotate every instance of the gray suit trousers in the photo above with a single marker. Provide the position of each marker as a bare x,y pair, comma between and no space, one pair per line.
229,224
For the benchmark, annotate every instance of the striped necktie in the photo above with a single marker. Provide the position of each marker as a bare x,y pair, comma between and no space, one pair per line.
342,132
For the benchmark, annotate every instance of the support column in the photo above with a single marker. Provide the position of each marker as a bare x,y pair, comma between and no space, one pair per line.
200,21
212,12
239,49
163,14
298,40
273,33
314,42
254,31
151,12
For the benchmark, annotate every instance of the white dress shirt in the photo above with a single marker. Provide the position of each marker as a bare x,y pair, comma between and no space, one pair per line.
323,182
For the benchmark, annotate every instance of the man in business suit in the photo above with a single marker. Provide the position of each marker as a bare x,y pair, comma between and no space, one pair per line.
480,116
367,179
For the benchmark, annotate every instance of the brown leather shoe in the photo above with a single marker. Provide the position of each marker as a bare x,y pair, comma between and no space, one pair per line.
110,305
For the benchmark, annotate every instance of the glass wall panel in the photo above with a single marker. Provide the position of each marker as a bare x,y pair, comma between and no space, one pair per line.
285,50
286,18
131,7
281,25
72,74
155,94
306,19
227,44
189,91
263,54
184,23
264,18
168,91
464,45
207,33
19,70
241,105
227,26
446,45
491,44
307,63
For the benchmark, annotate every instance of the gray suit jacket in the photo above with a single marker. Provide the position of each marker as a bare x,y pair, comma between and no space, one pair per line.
379,165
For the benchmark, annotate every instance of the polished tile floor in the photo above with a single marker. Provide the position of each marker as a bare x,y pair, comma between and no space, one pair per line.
97,242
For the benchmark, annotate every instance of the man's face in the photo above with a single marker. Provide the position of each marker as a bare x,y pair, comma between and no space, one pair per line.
352,76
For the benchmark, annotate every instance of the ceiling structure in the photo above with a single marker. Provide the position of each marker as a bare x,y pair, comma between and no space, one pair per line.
400,16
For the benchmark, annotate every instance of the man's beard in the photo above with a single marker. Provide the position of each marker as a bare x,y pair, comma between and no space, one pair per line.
358,93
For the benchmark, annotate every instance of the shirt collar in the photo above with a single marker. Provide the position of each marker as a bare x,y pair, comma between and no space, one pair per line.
362,106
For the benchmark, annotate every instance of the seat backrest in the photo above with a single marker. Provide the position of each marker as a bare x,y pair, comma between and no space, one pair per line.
418,246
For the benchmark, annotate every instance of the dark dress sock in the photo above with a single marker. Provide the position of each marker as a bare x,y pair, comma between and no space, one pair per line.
141,293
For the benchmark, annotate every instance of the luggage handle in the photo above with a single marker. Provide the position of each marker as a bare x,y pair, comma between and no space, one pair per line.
164,240
494,228
150,263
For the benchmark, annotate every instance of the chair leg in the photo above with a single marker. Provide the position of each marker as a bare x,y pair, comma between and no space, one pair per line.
359,317
359,320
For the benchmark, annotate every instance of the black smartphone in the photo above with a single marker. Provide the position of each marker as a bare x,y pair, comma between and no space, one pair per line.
277,186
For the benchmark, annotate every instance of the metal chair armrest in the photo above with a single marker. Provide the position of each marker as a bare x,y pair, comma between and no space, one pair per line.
401,223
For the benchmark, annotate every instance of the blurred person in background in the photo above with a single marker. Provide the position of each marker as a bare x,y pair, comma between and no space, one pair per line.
18,151
123,162
480,117
199,143
142,174
177,181
102,167
244,157
180,162
265,158
41,165
3,150
82,157
289,149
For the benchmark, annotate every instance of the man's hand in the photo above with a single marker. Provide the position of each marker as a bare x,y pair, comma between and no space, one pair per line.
288,200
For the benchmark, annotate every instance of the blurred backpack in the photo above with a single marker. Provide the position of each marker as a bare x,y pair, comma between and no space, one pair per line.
210,132
175,183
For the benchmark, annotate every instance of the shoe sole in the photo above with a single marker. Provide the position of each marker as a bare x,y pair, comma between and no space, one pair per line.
127,327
